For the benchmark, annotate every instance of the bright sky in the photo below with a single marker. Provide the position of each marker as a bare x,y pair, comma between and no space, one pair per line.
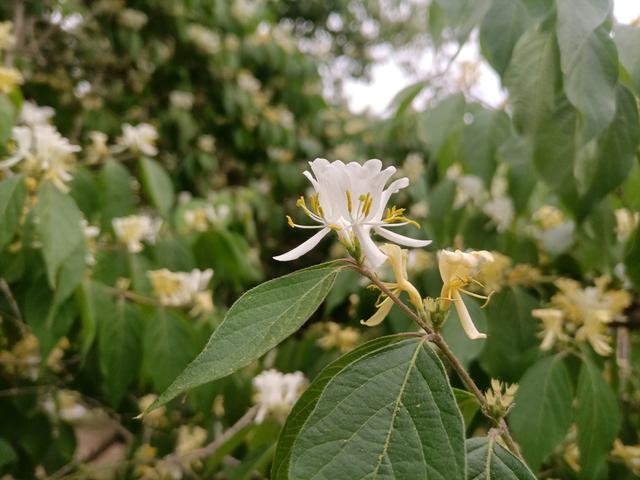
388,78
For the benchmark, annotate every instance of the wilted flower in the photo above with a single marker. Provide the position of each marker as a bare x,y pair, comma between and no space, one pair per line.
397,258
276,392
140,138
351,199
459,269
10,78
43,152
134,229
32,114
178,289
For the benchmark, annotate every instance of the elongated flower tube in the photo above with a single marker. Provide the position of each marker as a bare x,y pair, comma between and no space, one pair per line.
351,199
458,270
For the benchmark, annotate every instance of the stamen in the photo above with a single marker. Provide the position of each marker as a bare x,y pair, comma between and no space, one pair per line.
290,222
349,202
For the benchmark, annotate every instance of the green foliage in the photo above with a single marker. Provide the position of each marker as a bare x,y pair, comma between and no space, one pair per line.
487,460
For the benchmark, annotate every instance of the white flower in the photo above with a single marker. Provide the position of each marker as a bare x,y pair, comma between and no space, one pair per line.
501,212
132,230
181,99
43,151
457,270
141,138
276,392
32,114
553,326
180,289
7,39
9,79
134,19
470,188
626,223
351,199
206,40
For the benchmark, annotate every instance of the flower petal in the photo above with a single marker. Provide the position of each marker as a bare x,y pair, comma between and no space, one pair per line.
372,253
303,247
401,239
380,315
465,319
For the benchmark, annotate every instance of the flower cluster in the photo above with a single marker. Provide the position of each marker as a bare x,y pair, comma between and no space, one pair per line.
182,289
276,393
134,229
582,314
140,138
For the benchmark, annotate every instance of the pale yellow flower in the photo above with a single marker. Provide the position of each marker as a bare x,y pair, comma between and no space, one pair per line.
10,78
553,326
336,336
493,274
155,418
134,229
190,438
629,454
458,269
626,222
548,217
7,39
500,397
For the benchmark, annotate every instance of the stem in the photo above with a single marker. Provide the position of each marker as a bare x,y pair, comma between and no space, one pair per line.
19,321
438,340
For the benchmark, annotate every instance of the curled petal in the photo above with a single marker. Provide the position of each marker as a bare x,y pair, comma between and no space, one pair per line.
401,239
381,313
372,253
465,319
303,247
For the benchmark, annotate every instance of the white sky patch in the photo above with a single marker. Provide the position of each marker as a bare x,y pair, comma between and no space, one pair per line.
388,77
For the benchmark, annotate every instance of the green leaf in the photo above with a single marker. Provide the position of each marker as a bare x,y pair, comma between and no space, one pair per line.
405,97
487,460
58,225
257,322
117,198
464,15
468,405
541,415
597,418
616,151
627,39
94,301
501,28
157,185
589,61
464,348
12,195
517,152
119,341
632,259
307,402
391,414
168,347
439,123
532,79
7,114
554,152
7,454
512,342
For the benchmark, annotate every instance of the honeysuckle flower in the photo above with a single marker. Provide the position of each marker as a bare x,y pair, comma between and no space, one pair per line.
397,258
7,39
336,336
457,270
140,138
98,148
593,330
91,233
32,114
276,392
553,326
134,229
190,438
43,152
181,99
10,78
351,199
470,189
134,19
500,398
179,289
206,40
501,212
493,274
629,454
626,222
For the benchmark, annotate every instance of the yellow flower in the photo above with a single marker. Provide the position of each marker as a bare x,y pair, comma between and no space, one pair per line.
344,339
548,217
552,330
7,39
458,269
629,454
493,274
594,329
9,79
397,258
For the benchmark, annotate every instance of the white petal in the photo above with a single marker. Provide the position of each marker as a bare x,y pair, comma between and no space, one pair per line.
380,315
303,247
372,253
465,319
401,239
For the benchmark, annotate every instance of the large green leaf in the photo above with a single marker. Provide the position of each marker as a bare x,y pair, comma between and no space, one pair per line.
7,113
120,344
389,414
532,79
117,197
627,39
169,345
632,258
157,185
512,343
487,460
542,415
616,151
501,28
58,225
464,15
597,418
468,403
307,402
589,61
12,195
94,301
257,322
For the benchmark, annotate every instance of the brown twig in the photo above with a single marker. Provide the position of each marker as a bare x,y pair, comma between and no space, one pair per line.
4,287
